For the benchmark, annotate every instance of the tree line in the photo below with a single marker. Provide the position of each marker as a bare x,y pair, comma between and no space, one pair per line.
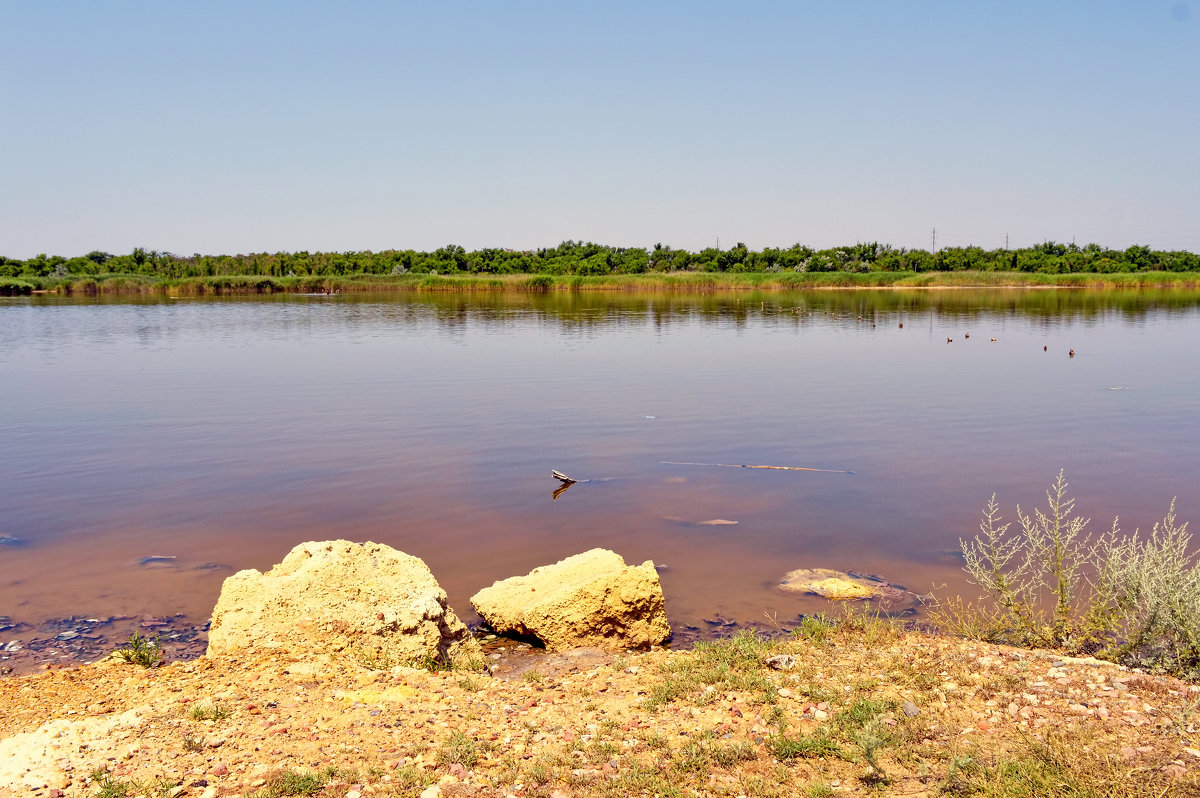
582,258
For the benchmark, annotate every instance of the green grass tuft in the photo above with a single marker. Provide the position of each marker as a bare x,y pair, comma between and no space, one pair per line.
142,651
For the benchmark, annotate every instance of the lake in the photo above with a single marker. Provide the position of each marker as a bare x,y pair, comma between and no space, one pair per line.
150,448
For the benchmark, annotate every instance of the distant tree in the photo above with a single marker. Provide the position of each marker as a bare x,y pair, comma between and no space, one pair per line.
1141,257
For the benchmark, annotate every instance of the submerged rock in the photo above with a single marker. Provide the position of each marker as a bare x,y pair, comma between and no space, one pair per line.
833,585
590,599
366,600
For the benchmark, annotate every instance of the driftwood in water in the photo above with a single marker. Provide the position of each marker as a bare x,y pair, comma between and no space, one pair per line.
561,489
774,468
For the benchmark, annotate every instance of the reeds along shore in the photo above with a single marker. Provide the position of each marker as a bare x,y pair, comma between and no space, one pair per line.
133,285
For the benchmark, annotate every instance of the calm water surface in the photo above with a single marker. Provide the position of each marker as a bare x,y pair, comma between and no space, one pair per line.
222,433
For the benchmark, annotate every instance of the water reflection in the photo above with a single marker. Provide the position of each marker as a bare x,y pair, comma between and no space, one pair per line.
226,431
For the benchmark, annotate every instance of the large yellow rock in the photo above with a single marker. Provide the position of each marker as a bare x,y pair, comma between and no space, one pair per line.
368,601
590,599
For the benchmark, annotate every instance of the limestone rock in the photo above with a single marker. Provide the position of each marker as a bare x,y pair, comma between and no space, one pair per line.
833,585
590,599
368,601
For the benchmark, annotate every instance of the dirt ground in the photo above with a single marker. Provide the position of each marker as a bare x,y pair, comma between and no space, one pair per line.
863,711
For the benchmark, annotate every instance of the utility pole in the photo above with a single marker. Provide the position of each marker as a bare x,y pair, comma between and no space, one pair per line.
933,242
1006,240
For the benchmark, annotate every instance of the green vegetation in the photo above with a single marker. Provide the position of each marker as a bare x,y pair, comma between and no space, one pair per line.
210,712
814,746
294,783
579,265
142,651
733,664
458,749
1132,599
441,662
108,787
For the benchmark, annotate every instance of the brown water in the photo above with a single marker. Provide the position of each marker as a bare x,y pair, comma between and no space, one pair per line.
222,433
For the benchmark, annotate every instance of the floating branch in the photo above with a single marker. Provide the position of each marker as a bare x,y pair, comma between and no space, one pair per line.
774,468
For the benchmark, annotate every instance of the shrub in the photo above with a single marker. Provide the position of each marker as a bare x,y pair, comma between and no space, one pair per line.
13,287
1155,585
1131,599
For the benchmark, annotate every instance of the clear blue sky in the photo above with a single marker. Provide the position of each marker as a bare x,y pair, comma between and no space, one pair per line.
227,127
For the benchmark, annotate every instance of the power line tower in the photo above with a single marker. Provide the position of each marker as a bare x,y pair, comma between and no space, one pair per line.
933,242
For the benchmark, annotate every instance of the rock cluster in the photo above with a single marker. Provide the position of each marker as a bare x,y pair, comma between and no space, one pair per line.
590,599
367,600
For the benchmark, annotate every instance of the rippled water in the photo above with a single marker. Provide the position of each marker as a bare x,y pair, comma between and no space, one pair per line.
222,433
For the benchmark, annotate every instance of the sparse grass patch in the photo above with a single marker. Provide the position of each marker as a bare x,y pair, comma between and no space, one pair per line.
193,743
409,778
816,745
142,651
375,660
458,749
209,712
108,787
818,789
862,712
293,783
1064,763
814,628
732,664
438,663
868,626
642,779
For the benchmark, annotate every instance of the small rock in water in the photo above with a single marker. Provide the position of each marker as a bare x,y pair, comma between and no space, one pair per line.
156,559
